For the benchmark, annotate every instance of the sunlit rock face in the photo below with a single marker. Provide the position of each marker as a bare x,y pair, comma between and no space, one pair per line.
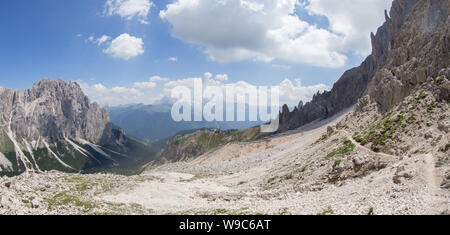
412,45
53,125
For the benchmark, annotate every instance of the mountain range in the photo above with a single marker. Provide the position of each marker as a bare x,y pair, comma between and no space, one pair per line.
54,126
153,123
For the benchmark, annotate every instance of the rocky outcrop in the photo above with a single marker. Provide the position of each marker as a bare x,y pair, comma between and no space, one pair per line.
413,25
54,110
420,51
53,125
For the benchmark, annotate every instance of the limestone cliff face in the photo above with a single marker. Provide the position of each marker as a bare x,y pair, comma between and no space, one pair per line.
415,29
419,51
53,125
54,110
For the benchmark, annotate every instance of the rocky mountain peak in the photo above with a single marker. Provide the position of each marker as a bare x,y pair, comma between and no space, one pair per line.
415,30
56,120
418,49
54,110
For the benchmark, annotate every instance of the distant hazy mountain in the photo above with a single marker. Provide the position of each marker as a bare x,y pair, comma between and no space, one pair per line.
154,122
53,126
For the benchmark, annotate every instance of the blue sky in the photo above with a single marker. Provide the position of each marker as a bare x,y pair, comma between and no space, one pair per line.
50,39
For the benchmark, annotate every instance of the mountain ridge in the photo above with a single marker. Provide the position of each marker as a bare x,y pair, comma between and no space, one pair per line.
154,123
352,85
54,126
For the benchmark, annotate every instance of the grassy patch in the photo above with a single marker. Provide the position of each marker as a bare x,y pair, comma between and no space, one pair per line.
325,137
347,147
302,170
66,199
446,148
439,80
337,163
422,95
379,132
288,176
271,180
328,211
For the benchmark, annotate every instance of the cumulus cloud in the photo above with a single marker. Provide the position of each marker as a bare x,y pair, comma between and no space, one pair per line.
354,19
144,85
291,91
115,95
152,82
222,77
125,47
129,9
158,79
102,39
173,59
207,75
264,30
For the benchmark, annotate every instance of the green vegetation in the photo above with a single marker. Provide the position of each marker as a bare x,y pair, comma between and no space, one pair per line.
271,180
66,199
337,163
193,145
284,211
421,96
371,211
347,147
379,132
288,176
446,148
303,169
439,80
328,211
246,135
325,137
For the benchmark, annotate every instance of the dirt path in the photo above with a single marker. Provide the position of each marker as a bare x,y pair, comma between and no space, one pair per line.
430,176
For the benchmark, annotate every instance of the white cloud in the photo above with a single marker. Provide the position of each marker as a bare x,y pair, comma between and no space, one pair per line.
236,30
144,85
281,66
115,95
125,47
354,19
129,9
222,77
207,75
152,82
102,39
252,5
291,92
90,39
158,79
173,59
